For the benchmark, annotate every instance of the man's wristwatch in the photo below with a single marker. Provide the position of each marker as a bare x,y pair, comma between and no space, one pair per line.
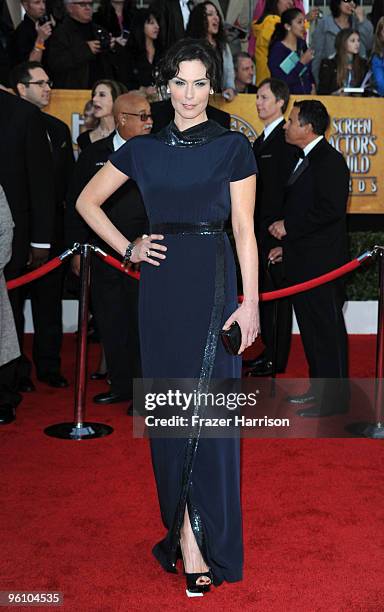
128,254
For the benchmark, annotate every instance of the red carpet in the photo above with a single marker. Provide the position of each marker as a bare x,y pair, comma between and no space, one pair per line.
81,517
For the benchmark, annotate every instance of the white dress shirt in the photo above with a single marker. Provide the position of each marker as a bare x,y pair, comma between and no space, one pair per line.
269,128
307,149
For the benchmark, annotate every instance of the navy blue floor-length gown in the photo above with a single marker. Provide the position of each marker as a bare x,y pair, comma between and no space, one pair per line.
184,178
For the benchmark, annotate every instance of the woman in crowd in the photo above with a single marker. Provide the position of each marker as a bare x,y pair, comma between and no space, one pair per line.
115,16
104,93
263,30
377,62
346,68
206,23
142,54
259,11
344,15
198,478
289,58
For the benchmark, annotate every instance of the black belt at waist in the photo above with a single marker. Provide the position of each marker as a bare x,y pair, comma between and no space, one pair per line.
203,228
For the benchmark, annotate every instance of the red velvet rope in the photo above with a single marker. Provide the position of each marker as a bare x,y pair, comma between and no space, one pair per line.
269,295
310,284
115,263
265,297
30,276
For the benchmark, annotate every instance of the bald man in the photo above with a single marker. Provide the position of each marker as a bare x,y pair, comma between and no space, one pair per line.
114,294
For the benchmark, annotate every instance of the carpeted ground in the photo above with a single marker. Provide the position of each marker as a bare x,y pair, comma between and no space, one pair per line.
81,517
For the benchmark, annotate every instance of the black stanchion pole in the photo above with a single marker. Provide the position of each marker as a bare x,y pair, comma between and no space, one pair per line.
79,429
376,430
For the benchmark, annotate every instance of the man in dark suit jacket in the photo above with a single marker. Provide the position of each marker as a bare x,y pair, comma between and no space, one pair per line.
26,176
314,237
114,294
31,82
173,18
275,161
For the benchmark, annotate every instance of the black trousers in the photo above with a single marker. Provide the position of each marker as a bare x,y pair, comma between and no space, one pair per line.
319,314
115,305
46,302
270,279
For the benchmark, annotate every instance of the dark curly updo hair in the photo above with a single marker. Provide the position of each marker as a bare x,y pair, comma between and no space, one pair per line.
186,50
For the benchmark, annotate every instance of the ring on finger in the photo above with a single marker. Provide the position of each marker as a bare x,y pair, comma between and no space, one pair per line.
148,253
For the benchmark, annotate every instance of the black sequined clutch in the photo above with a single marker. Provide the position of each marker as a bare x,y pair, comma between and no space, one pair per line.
231,338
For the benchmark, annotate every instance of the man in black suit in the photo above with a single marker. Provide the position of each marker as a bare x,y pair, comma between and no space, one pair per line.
31,82
6,32
114,294
314,237
173,18
275,160
26,176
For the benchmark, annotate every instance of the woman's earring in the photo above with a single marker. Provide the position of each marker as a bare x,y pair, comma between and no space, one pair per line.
168,90
211,91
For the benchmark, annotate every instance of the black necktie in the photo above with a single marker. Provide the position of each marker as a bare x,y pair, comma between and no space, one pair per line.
258,142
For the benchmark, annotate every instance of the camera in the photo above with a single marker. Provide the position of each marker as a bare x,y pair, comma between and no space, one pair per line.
104,38
44,19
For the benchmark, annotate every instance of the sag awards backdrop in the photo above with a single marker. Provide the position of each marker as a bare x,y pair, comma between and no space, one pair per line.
357,130
357,126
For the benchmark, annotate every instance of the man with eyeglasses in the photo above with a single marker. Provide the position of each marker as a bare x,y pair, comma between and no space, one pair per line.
30,81
80,52
114,295
30,37
26,176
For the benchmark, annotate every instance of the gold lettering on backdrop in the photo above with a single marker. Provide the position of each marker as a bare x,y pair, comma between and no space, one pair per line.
354,138
238,124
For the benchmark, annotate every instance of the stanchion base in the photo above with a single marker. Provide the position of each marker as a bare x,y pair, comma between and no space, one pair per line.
366,430
70,431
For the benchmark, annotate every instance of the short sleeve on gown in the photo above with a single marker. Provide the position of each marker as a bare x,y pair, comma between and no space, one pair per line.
243,162
124,159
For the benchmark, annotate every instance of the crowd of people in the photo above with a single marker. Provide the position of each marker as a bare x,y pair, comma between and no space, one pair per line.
78,46
143,187
64,50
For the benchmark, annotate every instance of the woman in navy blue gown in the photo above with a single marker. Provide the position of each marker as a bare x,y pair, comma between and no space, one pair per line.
192,175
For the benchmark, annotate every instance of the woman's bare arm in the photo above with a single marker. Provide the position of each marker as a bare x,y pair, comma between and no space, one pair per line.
243,204
94,194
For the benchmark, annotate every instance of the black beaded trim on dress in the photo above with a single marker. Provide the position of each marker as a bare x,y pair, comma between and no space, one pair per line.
203,387
195,136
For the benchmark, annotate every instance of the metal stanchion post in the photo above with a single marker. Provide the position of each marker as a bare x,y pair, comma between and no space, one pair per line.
376,430
79,429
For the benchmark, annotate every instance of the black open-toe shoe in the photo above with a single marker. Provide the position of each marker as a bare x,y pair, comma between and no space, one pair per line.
197,587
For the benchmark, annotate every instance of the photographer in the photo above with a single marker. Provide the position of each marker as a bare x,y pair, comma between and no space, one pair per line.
80,52
29,39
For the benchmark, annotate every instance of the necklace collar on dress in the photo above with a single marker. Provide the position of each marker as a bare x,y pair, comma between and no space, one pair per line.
195,136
